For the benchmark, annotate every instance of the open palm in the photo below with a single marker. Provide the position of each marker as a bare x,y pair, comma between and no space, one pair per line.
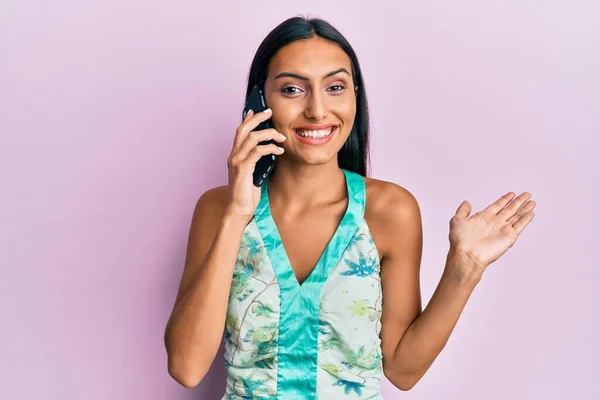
487,235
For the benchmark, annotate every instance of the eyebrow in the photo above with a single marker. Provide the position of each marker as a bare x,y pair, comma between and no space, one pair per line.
297,76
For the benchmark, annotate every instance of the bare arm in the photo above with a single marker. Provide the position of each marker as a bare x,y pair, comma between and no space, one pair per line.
428,334
412,339
195,328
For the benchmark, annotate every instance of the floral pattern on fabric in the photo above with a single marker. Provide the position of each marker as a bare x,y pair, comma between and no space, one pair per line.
350,358
251,324
349,324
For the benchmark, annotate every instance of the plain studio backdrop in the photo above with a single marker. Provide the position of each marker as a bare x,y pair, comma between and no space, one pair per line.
116,115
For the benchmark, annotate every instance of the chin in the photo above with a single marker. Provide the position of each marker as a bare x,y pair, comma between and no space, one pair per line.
317,161
315,157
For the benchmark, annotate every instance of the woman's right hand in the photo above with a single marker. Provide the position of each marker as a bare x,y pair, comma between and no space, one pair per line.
243,197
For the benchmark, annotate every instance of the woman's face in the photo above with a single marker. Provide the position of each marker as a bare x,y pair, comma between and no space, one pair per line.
310,89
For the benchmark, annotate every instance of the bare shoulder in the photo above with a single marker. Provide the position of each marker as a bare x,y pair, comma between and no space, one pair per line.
388,201
212,201
390,210
208,213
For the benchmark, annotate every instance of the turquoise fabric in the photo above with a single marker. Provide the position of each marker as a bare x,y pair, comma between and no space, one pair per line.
299,321
290,341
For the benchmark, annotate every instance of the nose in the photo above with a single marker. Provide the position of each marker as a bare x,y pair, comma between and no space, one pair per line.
315,109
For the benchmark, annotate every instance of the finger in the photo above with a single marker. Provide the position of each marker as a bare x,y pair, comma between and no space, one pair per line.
249,125
499,204
529,206
463,210
522,223
238,139
260,151
514,206
255,137
249,115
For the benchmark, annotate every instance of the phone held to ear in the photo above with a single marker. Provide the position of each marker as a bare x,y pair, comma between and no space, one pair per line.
264,166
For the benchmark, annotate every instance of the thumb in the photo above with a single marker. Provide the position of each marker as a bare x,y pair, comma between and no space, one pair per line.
463,210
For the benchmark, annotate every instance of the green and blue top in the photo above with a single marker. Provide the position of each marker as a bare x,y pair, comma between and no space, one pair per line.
317,340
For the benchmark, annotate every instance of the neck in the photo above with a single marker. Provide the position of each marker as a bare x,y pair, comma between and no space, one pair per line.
300,186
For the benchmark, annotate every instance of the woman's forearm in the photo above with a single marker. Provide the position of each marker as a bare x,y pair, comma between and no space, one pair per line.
428,334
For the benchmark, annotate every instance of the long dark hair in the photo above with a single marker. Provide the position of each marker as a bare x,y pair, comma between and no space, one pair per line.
354,154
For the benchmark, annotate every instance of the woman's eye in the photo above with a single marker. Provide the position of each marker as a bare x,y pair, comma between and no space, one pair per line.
340,88
287,90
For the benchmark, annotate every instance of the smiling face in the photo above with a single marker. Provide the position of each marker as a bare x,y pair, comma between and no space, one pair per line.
310,89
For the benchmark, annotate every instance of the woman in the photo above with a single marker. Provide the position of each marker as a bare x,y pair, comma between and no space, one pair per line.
315,274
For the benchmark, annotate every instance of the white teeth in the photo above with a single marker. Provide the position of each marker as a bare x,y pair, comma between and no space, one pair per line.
315,134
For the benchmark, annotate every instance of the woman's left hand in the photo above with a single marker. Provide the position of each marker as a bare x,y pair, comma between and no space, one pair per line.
482,238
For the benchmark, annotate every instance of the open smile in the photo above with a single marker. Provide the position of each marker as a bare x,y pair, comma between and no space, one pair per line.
315,136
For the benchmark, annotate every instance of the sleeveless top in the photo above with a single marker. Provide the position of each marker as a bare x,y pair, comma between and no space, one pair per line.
317,340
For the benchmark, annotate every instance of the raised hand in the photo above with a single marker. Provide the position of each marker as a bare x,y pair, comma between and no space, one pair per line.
243,196
485,236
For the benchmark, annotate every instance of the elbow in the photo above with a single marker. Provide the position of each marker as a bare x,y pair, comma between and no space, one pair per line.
184,374
405,387
182,368
402,382
185,379
186,366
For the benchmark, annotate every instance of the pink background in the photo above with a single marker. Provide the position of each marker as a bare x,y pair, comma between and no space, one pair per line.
116,115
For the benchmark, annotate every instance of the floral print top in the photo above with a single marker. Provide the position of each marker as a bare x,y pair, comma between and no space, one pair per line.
317,340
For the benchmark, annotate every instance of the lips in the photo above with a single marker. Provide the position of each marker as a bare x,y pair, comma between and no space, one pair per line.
315,141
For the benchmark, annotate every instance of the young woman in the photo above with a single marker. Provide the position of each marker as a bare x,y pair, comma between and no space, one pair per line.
313,278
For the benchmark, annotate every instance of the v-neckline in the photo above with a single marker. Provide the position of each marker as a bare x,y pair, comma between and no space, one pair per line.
335,247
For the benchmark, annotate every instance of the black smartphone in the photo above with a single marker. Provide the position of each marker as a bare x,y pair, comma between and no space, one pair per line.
264,166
